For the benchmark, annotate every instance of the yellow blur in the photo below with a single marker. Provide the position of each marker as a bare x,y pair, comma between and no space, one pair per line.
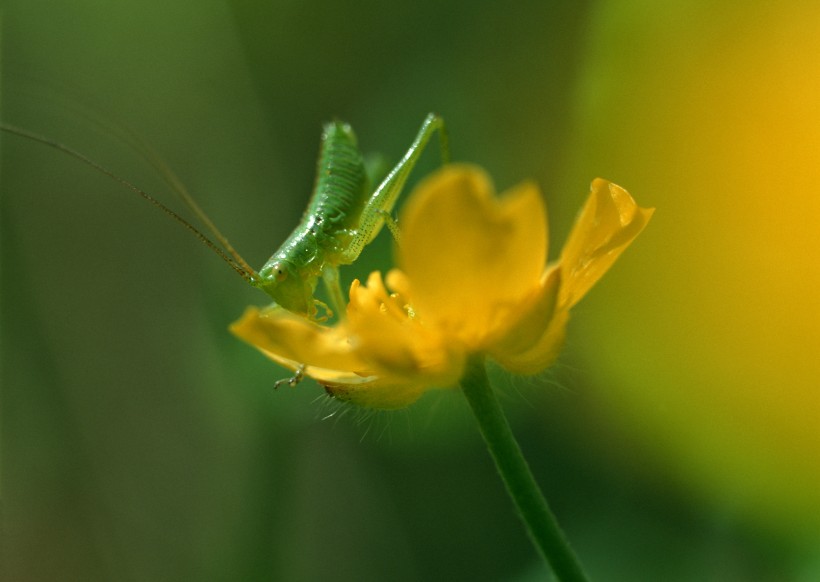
712,114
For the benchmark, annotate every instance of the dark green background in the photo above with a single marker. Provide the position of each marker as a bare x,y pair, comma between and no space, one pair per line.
141,441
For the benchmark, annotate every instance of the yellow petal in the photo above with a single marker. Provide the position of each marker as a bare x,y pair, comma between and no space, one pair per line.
471,257
532,324
292,340
327,357
608,223
543,353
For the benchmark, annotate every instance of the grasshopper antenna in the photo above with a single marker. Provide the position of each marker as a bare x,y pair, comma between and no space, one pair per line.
231,256
147,153
173,181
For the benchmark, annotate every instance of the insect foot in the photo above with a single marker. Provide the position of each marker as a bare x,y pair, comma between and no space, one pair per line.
297,377
392,224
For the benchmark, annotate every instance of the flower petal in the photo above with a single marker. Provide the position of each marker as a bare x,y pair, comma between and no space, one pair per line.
292,340
608,223
528,331
541,355
470,256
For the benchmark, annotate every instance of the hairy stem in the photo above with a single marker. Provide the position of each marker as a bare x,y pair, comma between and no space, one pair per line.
515,472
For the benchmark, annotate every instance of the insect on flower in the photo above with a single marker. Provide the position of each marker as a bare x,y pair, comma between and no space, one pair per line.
492,293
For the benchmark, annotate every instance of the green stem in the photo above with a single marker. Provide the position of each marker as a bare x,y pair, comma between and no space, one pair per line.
532,507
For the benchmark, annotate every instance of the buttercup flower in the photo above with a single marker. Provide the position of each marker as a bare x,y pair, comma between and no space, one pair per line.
472,278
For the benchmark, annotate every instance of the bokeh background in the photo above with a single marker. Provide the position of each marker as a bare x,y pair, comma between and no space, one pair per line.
678,436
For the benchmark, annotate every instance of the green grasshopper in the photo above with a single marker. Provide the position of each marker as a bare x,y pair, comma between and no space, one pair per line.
343,216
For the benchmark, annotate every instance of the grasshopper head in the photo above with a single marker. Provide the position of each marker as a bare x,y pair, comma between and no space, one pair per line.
288,287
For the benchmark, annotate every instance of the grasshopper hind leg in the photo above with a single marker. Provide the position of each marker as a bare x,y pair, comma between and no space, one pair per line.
385,196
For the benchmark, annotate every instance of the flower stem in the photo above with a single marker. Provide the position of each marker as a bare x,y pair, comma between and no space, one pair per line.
521,486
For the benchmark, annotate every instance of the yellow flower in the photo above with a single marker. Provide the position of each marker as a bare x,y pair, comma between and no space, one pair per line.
472,278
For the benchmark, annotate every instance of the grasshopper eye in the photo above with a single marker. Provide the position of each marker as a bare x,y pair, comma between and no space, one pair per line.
280,272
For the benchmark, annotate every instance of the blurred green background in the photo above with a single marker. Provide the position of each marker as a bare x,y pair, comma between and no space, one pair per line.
678,436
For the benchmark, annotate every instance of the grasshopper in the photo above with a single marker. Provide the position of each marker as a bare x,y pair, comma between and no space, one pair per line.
344,215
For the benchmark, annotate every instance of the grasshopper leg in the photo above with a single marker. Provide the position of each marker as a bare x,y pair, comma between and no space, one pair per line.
385,196
330,275
297,377
392,225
